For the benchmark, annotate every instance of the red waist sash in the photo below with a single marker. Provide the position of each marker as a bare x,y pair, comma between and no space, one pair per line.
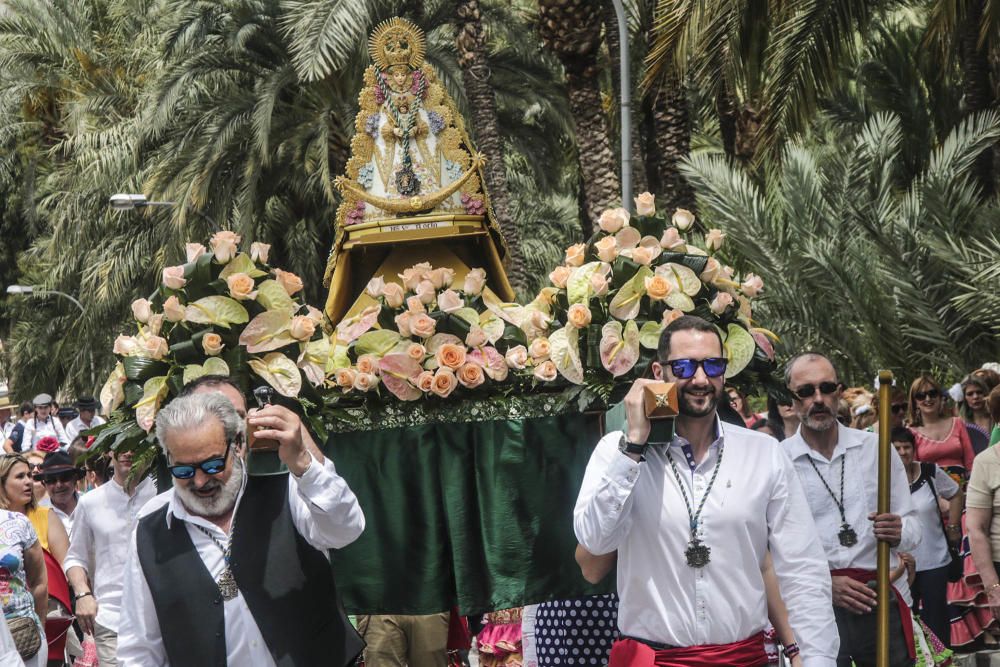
633,653
905,617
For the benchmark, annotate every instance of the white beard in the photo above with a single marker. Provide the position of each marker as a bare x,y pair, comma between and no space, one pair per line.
220,505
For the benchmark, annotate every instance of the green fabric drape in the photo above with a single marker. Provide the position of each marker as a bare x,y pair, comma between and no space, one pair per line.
478,514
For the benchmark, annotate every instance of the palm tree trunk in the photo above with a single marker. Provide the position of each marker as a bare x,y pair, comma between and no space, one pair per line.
639,180
672,130
976,85
486,130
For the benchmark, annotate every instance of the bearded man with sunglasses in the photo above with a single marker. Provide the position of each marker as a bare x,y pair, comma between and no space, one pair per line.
838,468
225,568
693,519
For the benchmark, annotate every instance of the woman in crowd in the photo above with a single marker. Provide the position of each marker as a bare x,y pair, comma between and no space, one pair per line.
17,495
983,524
975,411
23,584
782,417
928,484
39,492
940,438
742,408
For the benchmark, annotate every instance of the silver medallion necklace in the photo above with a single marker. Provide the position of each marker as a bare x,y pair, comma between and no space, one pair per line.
226,581
847,536
698,554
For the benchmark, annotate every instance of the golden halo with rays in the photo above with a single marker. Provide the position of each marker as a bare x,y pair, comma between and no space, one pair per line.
396,41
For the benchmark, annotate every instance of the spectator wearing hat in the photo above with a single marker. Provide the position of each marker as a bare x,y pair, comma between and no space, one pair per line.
60,476
43,424
87,405
12,445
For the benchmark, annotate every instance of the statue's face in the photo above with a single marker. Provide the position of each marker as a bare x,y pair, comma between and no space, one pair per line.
399,78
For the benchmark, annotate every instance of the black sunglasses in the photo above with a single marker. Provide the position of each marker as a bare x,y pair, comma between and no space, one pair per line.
898,408
809,390
930,393
686,368
55,479
212,466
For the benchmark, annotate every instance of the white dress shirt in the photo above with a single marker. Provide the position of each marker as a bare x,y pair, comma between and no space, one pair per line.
858,450
932,552
325,512
103,522
74,427
756,504
35,430
67,519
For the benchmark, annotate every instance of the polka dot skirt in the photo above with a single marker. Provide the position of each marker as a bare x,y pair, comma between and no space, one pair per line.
576,632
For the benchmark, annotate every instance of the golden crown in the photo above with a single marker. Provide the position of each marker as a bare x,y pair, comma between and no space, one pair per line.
397,42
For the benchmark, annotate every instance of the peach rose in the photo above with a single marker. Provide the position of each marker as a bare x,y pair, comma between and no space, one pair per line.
193,251
471,375
173,277
449,301
412,276
671,315
560,276
415,305
721,301
711,271
173,309
425,292
241,286
539,348
658,288
425,381
476,337
365,381
682,219
607,249
752,285
714,239
574,254
545,372
126,346
224,245
212,344
644,204
517,357
375,287
441,278
444,382
422,325
643,256
141,310
403,324
475,281
450,356
367,363
599,283
316,315
393,294
539,320
259,252
302,328
578,315
671,240
291,282
613,219
155,347
416,351
344,377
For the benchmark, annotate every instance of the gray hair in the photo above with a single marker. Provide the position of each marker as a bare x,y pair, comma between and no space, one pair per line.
807,356
192,410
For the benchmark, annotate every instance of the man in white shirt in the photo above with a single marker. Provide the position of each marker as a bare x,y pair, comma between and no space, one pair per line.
60,477
693,520
225,568
838,468
43,424
88,418
98,546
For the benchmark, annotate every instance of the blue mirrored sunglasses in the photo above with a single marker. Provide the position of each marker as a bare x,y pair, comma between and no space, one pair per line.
686,368
212,466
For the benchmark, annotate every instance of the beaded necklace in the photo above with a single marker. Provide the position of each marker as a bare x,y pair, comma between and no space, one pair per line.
697,554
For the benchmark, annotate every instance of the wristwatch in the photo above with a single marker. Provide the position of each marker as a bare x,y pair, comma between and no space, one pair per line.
82,595
626,447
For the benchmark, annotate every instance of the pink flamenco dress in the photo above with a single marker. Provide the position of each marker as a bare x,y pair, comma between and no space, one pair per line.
499,641
970,611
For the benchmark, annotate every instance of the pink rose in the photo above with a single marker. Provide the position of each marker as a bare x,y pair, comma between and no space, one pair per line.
539,348
302,328
711,271
173,277
173,309
212,344
560,276
574,254
471,375
644,204
444,382
476,337
441,278
726,272
578,315
425,291
475,281
449,301
416,351
682,219
155,347
224,245
403,324
393,294
642,255
141,310
425,381
344,377
126,346
721,301
714,239
599,283
241,286
375,287
415,305
193,251
671,240
422,325
260,251
316,315
752,285
412,276
517,357
291,282
613,219
365,381
671,315
607,249
367,363
545,372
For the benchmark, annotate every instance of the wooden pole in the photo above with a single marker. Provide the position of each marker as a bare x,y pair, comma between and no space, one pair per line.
884,481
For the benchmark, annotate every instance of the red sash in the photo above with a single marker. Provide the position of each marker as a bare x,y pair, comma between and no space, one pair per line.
905,617
747,653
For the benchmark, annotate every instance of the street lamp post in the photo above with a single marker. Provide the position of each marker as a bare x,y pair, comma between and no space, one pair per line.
124,201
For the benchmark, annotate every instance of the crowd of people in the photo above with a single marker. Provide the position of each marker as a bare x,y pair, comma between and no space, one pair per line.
728,548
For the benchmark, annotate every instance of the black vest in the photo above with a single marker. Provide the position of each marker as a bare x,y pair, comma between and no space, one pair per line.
287,584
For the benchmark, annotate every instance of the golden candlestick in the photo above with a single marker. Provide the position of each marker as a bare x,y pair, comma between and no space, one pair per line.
885,380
